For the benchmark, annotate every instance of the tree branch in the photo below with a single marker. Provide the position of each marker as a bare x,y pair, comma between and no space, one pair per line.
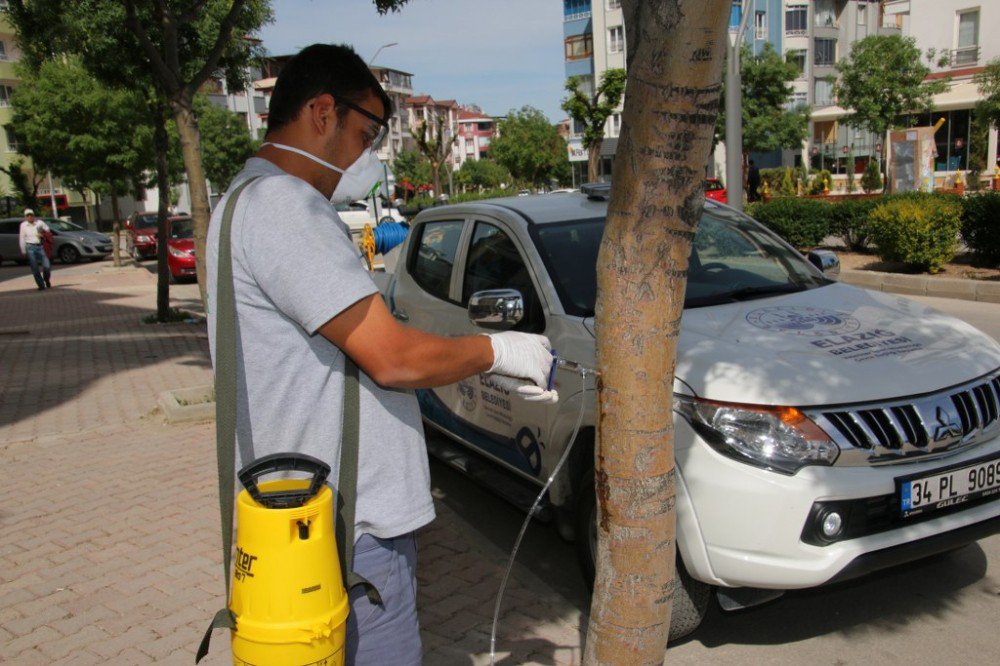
193,13
212,61
170,41
170,82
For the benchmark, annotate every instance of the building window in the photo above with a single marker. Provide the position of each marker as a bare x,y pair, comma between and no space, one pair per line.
614,4
5,93
967,51
797,57
825,54
760,25
823,92
13,143
797,99
615,124
3,50
862,13
796,19
616,39
826,14
575,9
580,46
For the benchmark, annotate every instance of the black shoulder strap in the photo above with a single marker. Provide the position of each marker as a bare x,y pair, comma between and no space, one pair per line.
225,403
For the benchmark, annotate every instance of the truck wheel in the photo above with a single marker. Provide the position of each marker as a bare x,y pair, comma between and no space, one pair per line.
691,597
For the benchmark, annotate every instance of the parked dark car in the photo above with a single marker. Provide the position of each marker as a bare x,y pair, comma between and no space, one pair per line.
72,242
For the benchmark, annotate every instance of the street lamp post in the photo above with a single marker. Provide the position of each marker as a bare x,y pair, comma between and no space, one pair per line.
734,116
384,46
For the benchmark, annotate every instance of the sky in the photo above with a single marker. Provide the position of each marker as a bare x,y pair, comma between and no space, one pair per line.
499,54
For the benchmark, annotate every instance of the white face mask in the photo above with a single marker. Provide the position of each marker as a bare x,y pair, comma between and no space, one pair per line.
356,182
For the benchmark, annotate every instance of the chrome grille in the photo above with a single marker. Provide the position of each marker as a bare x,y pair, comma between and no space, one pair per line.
936,423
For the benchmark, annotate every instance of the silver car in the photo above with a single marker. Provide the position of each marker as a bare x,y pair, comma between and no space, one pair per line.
73,242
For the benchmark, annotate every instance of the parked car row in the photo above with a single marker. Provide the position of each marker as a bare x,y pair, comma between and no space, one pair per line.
142,241
72,242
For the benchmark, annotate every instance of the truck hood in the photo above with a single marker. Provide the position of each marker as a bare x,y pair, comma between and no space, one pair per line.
834,344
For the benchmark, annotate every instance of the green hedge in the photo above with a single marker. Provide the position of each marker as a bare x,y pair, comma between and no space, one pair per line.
981,226
803,223
849,222
917,229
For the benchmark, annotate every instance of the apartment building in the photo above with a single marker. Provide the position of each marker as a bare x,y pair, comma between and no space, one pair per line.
959,33
475,131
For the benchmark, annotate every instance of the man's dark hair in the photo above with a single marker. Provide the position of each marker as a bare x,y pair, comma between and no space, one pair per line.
319,69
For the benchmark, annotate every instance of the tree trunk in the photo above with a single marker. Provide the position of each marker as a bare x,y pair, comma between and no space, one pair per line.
675,55
162,142
187,127
116,229
436,167
593,161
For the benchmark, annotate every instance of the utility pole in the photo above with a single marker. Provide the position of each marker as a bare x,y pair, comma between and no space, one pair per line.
734,114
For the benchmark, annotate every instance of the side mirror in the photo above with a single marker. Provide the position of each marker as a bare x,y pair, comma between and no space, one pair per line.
827,262
499,309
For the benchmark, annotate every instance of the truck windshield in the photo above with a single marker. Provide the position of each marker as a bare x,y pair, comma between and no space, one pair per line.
732,259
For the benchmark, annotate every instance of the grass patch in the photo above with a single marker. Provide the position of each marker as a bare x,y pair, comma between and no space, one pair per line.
197,401
174,315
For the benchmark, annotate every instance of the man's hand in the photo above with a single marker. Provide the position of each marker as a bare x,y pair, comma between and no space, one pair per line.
525,389
522,355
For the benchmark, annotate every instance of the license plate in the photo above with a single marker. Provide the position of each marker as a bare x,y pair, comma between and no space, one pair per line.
948,487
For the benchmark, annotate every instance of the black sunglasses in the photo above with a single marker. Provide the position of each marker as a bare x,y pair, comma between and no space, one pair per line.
383,126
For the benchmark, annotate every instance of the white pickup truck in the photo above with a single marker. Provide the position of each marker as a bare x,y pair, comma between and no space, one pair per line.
823,431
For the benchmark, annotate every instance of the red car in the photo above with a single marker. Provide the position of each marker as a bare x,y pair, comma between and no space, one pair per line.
141,230
180,249
715,190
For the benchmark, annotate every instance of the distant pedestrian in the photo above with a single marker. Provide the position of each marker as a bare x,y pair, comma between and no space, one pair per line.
753,182
31,238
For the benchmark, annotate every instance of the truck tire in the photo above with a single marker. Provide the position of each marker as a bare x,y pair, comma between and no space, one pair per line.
691,597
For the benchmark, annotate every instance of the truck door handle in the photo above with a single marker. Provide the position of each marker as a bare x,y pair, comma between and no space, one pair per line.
400,315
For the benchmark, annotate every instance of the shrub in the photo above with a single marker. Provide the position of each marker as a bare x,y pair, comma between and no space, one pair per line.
803,223
871,178
920,230
780,181
821,182
849,222
980,217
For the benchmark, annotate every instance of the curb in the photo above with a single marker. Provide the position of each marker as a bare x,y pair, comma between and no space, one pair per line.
188,404
922,285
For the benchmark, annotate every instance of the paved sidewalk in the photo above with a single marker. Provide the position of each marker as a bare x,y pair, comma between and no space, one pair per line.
109,537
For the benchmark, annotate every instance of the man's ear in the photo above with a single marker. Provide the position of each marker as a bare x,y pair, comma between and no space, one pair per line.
323,112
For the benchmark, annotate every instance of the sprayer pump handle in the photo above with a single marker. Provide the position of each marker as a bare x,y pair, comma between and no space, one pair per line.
284,462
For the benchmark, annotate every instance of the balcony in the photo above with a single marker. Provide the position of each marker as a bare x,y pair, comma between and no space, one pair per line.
965,56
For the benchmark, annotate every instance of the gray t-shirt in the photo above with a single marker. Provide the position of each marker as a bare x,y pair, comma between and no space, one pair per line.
295,268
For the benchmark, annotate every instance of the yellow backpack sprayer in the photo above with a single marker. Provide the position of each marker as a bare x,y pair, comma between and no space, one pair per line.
288,593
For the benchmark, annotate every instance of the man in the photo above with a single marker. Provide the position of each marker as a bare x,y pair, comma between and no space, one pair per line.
303,302
31,241
753,182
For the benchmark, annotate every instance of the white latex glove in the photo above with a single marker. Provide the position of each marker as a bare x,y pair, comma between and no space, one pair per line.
525,389
522,355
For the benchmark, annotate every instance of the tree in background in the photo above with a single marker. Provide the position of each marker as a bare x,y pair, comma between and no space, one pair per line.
593,111
88,135
25,182
767,124
226,142
530,148
484,174
882,79
411,168
435,145
174,46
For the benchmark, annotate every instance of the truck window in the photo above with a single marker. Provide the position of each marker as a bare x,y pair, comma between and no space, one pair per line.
495,263
432,262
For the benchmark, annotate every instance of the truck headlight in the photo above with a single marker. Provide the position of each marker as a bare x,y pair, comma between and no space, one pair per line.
782,439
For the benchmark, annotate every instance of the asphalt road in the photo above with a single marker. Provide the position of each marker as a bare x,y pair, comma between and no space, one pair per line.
942,610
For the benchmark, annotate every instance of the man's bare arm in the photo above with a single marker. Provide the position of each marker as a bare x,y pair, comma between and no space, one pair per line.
398,356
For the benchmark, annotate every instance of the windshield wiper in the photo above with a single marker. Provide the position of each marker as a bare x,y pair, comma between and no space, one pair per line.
745,294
